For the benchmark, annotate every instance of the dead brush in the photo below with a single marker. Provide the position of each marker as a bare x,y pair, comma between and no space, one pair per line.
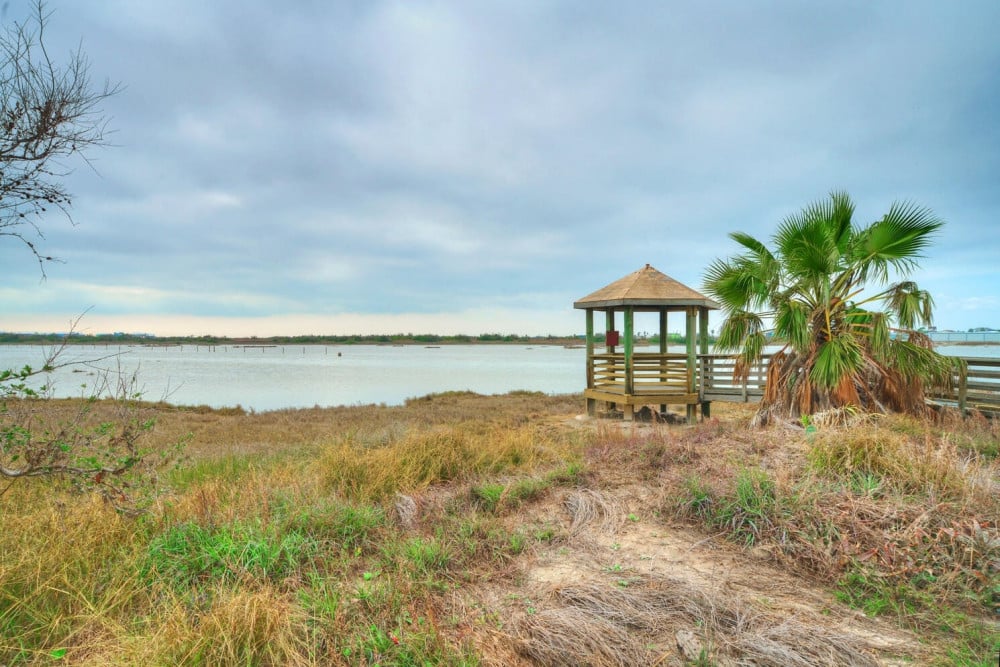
844,417
600,624
571,637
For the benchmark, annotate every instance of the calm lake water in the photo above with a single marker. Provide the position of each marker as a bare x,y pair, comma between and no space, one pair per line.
272,378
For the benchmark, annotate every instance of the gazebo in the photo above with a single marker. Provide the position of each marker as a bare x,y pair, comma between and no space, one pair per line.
629,378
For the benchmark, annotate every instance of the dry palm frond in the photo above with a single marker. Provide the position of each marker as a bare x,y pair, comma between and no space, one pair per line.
846,416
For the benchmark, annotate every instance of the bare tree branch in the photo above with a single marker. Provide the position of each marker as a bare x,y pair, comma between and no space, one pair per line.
49,113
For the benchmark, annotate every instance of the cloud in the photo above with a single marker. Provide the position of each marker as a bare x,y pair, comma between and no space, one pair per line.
400,159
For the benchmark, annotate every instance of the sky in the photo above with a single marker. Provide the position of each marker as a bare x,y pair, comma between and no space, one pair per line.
341,167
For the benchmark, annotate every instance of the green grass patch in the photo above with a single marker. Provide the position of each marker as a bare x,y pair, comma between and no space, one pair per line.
231,468
970,641
188,554
345,525
748,513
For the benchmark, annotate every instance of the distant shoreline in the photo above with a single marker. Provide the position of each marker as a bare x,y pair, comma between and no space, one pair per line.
357,339
374,339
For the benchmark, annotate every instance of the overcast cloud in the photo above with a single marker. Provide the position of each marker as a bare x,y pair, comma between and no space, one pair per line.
369,167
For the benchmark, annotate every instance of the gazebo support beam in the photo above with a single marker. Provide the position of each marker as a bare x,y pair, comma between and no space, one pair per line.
692,410
663,344
591,403
627,345
706,406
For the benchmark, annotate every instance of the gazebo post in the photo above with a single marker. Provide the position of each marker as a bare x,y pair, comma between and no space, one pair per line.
591,403
706,406
609,319
629,376
692,408
663,347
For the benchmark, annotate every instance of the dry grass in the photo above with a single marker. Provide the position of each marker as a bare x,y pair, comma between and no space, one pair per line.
928,464
593,511
443,454
260,548
601,624
193,581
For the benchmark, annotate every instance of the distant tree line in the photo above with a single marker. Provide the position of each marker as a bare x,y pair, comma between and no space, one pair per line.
315,339
312,339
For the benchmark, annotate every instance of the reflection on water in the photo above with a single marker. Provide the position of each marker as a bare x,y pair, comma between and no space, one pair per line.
271,378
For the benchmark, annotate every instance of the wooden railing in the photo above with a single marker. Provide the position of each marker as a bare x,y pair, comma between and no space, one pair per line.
651,372
716,383
976,389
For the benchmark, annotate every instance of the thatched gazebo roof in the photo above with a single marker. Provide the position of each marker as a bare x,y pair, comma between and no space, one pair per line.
647,288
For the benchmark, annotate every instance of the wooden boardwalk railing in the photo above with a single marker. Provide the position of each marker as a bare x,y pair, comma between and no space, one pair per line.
667,374
976,389
715,379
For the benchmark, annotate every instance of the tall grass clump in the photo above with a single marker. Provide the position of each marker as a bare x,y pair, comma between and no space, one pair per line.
239,627
421,458
65,570
338,525
749,512
909,464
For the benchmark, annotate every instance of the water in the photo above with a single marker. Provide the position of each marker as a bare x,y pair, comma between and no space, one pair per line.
273,378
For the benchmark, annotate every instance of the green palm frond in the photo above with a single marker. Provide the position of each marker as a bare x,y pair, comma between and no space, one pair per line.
878,334
841,216
807,247
759,280
738,326
917,361
750,243
740,283
753,348
911,305
835,359
725,283
896,241
791,323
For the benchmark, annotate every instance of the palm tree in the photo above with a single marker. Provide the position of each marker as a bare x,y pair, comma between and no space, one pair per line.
837,297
